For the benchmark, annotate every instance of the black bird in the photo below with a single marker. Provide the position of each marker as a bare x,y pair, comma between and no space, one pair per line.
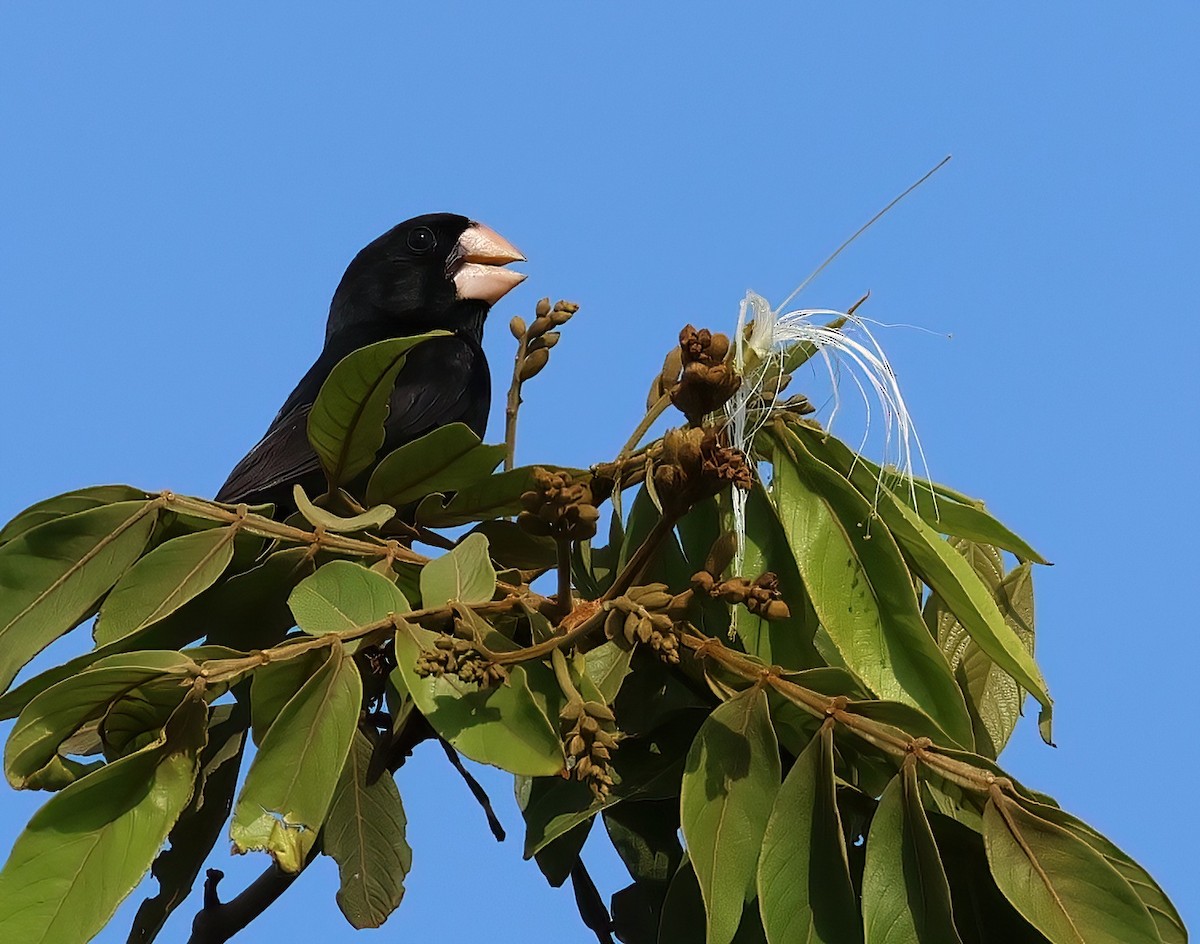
434,271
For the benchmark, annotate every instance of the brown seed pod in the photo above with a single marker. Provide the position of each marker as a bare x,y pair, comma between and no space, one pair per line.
534,363
517,327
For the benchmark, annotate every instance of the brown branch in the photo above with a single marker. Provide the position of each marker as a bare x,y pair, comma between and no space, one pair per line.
217,922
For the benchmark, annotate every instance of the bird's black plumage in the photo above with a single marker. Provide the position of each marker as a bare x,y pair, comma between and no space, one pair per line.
434,271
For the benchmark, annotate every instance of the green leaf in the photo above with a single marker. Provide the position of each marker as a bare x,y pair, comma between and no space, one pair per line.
463,575
197,829
683,919
982,915
503,726
1062,886
68,504
553,807
905,895
556,859
444,460
861,588
64,708
372,518
948,511
993,695
668,565
729,784
275,684
342,596
163,581
250,610
646,837
88,847
365,835
512,546
52,575
291,783
607,665
955,582
805,894
497,496
345,425
1166,918
787,642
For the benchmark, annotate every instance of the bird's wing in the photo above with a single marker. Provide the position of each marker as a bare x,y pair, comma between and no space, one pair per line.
283,456
444,380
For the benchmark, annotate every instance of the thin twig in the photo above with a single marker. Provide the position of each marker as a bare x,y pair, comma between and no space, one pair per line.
476,789
514,404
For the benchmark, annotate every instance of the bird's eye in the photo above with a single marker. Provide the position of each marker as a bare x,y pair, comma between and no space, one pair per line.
421,239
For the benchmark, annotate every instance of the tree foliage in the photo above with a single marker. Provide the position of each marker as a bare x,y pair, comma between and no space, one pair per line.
801,748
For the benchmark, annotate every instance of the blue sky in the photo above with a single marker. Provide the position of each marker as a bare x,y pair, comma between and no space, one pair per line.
180,189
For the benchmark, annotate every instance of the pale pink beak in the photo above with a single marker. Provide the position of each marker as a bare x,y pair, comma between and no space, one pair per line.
475,265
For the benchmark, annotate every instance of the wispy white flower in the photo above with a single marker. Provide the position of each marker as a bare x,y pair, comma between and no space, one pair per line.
849,351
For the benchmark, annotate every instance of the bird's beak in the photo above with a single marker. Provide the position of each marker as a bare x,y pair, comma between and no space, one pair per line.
475,265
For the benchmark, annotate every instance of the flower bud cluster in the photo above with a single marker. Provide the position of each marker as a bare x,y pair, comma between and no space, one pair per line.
647,615
589,743
695,465
707,381
559,507
538,337
760,596
454,655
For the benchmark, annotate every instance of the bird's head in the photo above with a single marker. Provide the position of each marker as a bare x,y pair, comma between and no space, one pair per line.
440,270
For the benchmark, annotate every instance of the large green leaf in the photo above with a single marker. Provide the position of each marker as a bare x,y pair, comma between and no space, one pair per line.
273,685
860,586
61,710
1062,885
982,915
68,504
805,895
948,511
729,784
953,579
993,695
462,575
291,783
607,665
89,846
164,580
905,895
345,425
503,725
52,575
197,829
364,833
1166,918
342,596
787,642
445,460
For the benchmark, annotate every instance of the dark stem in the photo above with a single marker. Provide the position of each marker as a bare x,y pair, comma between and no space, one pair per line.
217,922
641,557
476,789
565,601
